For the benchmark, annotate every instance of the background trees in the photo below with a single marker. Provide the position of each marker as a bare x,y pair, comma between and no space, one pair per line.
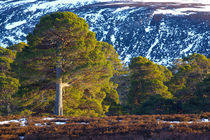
8,84
8,87
182,89
147,83
188,72
190,83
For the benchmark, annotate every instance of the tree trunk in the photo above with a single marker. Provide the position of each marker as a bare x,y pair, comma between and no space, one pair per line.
8,109
59,93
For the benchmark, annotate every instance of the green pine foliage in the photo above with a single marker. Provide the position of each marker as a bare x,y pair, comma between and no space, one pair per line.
8,83
190,83
17,47
86,66
6,59
188,72
8,87
182,89
147,83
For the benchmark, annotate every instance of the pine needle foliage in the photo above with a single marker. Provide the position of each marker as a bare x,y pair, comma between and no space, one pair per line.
63,40
147,85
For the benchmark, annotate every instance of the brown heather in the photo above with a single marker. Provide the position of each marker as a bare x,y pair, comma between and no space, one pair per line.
110,127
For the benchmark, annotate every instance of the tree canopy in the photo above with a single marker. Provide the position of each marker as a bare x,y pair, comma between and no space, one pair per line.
8,84
63,52
147,80
190,81
184,88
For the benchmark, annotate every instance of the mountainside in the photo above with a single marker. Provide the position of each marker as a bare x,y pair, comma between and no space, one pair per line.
158,31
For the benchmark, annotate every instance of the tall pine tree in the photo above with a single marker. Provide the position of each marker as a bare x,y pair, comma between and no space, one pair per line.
147,83
63,52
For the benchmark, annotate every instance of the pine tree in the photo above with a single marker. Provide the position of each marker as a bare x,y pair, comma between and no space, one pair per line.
63,52
8,84
147,81
188,72
190,83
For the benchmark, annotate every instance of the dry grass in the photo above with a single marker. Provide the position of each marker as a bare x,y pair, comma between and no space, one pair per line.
145,126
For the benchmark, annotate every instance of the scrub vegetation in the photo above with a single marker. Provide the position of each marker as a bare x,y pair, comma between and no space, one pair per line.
190,126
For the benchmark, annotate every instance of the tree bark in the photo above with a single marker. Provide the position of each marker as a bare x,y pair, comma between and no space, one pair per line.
8,109
59,93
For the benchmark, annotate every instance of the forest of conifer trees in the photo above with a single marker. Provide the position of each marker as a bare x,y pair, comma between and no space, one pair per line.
64,70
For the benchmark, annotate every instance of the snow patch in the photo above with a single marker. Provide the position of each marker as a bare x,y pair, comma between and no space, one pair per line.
177,1
113,39
97,16
84,122
127,59
170,12
183,11
191,33
21,137
203,120
58,3
48,118
104,35
14,24
11,38
152,46
4,122
60,123
22,2
39,124
121,9
20,33
118,3
3,45
148,29
22,122
187,49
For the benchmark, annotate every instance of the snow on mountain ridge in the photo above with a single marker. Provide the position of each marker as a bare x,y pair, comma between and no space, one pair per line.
141,30
12,20
160,32
177,1
183,11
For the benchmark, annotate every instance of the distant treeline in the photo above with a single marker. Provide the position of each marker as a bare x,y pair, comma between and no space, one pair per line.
64,70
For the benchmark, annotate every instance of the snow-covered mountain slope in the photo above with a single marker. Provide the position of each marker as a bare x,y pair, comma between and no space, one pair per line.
159,31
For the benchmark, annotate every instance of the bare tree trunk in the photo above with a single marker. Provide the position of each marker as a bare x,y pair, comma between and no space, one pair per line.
59,93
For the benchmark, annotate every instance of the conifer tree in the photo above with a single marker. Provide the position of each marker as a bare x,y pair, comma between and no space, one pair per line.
147,81
8,84
63,52
190,83
188,72
17,47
